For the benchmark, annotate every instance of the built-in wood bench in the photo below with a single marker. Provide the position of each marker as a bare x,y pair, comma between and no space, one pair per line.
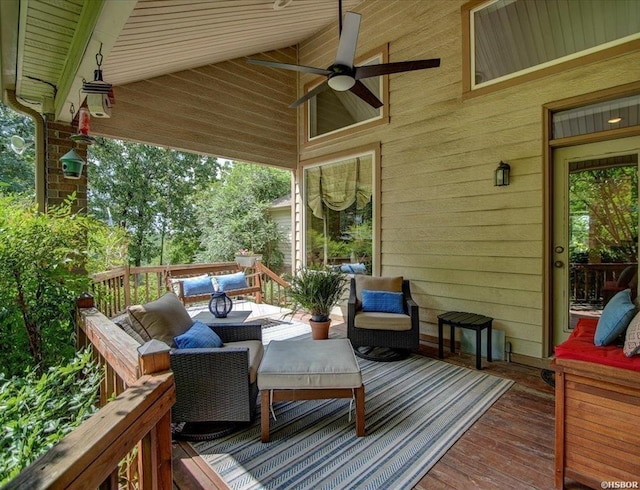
175,281
597,411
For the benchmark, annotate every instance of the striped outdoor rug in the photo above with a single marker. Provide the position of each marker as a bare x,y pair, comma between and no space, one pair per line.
416,409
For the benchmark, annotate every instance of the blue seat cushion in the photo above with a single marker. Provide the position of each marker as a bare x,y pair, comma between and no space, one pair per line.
228,282
615,319
195,286
382,301
199,336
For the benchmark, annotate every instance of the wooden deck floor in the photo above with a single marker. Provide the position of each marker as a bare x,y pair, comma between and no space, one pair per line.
510,447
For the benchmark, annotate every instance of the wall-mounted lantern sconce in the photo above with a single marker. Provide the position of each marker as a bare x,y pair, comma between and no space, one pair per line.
502,174
72,164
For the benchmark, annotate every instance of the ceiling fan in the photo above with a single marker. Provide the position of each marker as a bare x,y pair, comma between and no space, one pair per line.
342,75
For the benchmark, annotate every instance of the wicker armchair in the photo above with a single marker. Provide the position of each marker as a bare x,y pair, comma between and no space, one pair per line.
219,384
382,336
213,385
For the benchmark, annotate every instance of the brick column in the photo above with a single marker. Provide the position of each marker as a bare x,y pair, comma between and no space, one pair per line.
57,187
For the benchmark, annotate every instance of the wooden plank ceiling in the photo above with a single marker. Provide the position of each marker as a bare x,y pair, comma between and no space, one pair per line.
167,36
57,40
46,41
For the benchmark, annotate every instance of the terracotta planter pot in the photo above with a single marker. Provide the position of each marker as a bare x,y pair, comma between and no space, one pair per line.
320,330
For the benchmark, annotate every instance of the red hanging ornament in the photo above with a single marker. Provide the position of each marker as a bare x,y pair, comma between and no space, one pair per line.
83,121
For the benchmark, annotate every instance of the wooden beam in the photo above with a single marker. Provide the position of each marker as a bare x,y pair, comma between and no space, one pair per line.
84,29
99,25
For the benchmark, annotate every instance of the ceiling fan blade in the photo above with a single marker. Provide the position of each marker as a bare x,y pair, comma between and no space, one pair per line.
287,66
367,71
348,40
365,94
311,93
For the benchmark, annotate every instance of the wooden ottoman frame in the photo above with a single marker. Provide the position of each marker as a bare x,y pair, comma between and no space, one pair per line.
310,394
313,375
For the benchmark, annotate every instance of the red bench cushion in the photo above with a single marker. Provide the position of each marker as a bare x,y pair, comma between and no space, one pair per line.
580,346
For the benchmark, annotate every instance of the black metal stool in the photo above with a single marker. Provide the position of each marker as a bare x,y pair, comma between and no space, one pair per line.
465,320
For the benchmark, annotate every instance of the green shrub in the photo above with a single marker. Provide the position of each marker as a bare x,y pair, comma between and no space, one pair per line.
36,411
43,261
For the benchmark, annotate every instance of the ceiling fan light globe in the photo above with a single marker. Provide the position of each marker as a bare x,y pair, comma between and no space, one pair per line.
341,83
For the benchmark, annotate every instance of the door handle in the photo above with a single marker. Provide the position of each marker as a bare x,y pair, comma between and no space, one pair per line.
558,263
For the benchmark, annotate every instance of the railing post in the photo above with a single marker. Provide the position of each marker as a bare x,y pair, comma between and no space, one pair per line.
126,286
85,300
259,284
154,450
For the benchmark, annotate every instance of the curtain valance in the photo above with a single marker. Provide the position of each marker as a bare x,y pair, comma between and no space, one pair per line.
338,185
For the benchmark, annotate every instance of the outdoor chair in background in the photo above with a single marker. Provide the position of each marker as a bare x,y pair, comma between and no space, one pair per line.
382,319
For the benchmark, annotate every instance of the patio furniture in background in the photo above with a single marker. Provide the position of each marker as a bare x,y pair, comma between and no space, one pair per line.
388,328
465,320
235,282
309,370
628,278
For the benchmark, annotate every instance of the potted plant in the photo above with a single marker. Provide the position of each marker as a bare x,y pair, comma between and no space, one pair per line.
318,292
246,258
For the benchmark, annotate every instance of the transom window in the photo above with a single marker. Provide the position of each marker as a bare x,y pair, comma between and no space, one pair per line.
509,38
619,113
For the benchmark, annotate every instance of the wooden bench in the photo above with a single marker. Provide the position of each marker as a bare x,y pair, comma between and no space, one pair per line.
597,411
175,281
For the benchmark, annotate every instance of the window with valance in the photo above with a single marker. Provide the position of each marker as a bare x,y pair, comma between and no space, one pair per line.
339,213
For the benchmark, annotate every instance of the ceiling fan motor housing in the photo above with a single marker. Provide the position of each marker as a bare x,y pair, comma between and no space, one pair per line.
341,79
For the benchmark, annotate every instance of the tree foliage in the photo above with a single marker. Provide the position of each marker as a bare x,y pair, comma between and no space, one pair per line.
42,259
149,192
17,172
36,411
233,213
604,213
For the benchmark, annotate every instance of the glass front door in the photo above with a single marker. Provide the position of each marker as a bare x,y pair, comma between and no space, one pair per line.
595,245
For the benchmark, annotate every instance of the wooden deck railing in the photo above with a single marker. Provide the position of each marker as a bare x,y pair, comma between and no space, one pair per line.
588,280
275,288
120,287
127,443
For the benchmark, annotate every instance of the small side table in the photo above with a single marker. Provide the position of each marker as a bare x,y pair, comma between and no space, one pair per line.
209,319
465,320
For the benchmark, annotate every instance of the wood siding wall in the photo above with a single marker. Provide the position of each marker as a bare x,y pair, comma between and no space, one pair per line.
282,216
464,244
232,110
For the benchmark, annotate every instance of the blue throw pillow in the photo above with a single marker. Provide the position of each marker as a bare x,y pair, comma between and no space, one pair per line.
615,319
199,336
195,286
232,281
353,268
382,301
